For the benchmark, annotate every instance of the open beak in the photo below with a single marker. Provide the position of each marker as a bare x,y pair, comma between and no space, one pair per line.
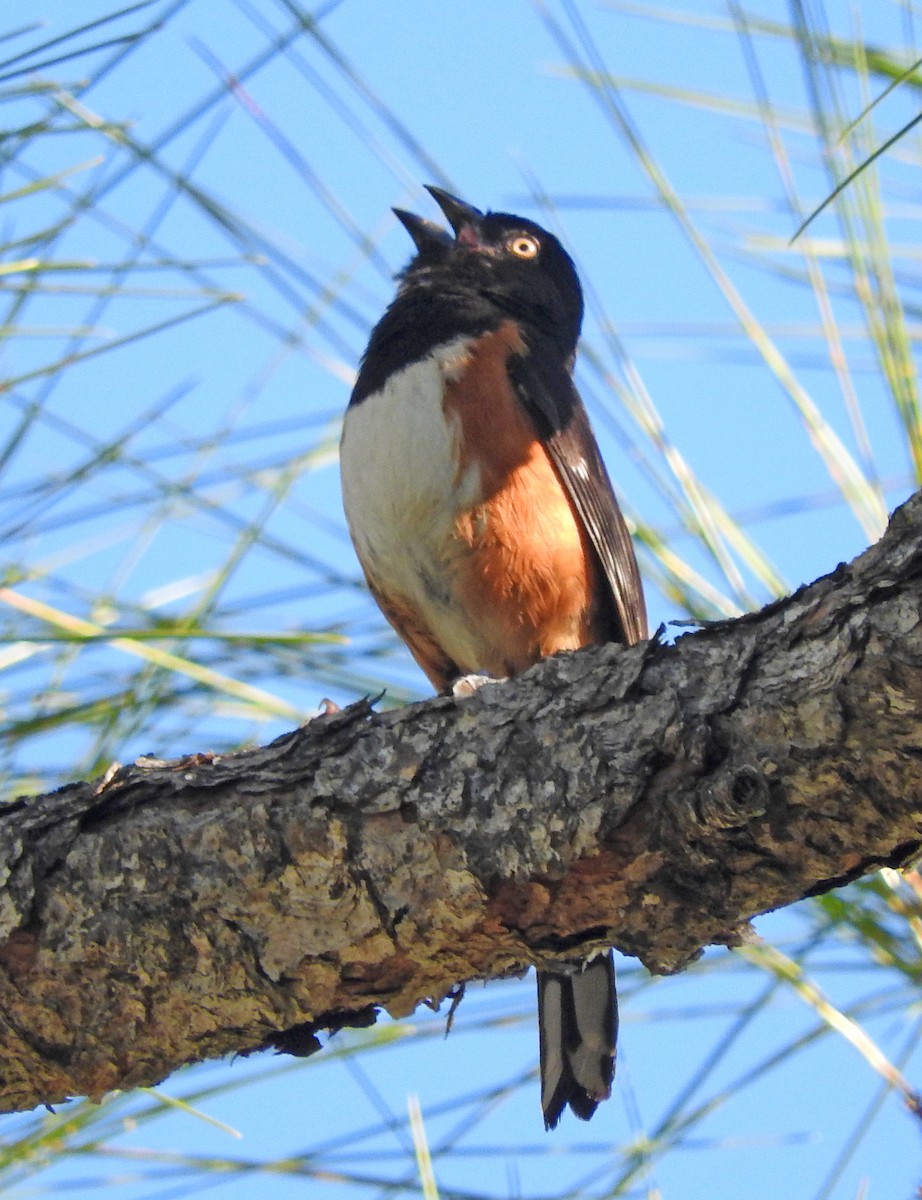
426,235
463,218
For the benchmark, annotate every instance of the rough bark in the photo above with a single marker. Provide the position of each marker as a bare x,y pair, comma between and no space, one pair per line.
654,798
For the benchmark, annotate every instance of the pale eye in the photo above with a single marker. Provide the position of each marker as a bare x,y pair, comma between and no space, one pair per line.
523,245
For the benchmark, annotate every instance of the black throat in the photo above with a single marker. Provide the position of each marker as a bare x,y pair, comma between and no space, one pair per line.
423,315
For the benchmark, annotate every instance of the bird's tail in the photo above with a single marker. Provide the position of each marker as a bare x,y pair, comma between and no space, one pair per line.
578,1025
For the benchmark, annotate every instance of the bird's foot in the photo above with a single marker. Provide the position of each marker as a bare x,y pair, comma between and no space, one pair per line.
467,685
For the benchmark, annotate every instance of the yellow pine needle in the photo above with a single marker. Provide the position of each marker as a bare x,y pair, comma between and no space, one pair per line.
152,654
49,181
898,883
421,1148
786,969
174,1102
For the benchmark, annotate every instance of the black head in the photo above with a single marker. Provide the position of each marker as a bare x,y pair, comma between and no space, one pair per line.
496,266
509,263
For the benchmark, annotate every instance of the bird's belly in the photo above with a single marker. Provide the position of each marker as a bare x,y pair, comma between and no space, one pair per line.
460,522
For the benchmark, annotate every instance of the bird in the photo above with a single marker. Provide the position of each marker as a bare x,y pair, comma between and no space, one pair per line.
484,519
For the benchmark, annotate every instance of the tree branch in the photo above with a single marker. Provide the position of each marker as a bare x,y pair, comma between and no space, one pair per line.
655,798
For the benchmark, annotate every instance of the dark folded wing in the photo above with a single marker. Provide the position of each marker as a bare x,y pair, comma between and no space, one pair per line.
547,391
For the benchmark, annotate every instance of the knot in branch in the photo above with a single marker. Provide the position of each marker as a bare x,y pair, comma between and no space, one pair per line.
735,800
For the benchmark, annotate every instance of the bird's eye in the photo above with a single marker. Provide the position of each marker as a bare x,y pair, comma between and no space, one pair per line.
523,245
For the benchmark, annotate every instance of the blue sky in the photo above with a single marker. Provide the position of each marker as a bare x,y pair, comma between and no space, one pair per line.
228,408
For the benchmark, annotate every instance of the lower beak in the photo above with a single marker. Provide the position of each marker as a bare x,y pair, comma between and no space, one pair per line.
425,234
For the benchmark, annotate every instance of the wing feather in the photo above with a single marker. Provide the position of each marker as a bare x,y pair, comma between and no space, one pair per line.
546,389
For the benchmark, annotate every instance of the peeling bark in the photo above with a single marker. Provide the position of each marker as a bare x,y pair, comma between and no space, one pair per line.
654,798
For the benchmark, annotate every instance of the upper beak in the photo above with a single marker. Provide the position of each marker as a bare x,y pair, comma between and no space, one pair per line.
425,234
459,215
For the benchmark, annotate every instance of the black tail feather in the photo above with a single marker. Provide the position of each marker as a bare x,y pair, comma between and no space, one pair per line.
578,1025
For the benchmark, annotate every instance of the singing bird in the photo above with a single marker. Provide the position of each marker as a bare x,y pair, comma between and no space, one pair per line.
483,516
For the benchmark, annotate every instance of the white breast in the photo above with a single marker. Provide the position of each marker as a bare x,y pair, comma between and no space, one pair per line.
400,478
